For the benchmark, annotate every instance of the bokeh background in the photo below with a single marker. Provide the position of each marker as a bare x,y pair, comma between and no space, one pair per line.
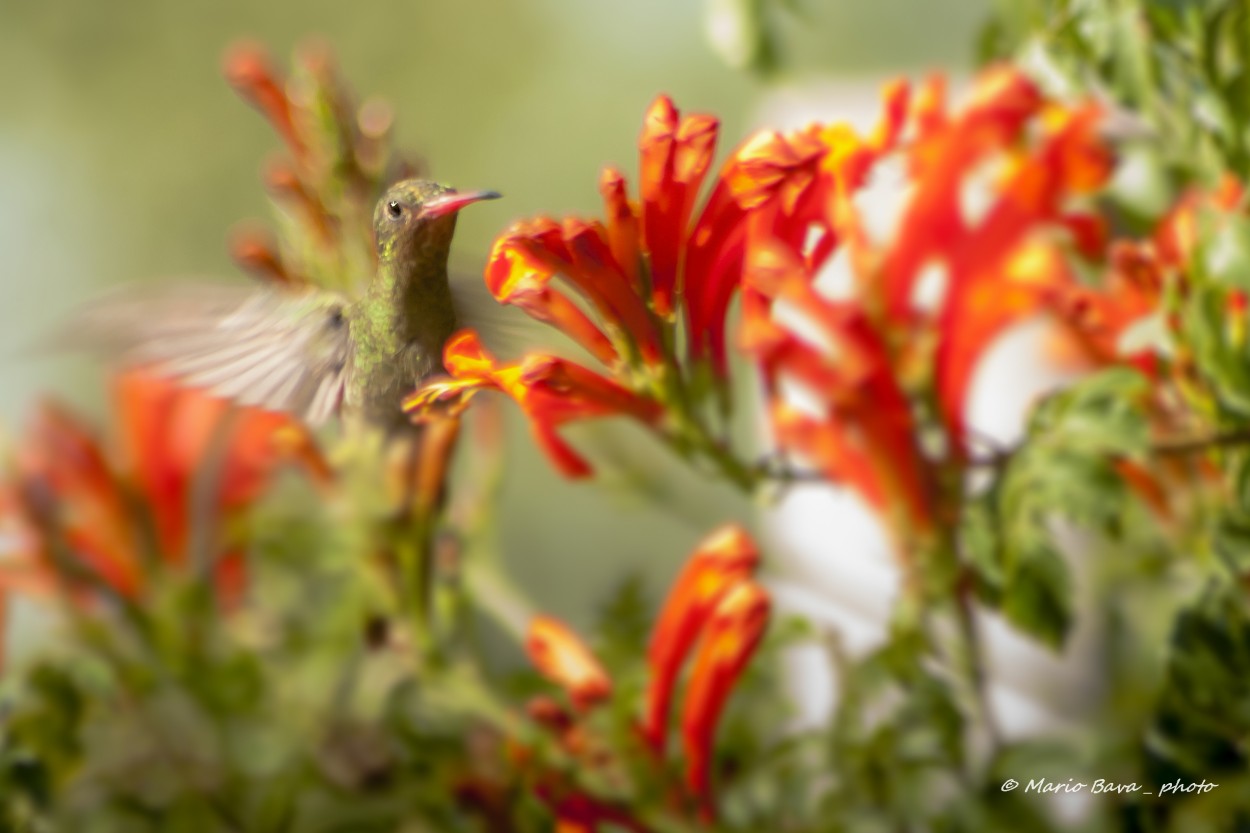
125,158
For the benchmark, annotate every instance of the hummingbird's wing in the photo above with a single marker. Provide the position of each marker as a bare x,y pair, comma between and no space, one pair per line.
279,350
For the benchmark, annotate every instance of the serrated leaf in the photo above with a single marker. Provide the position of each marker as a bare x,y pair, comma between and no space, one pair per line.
1037,595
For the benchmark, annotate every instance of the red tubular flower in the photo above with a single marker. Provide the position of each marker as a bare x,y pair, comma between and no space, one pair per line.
551,391
69,488
250,72
1028,157
713,611
999,271
1137,274
255,252
561,656
729,640
862,432
169,433
63,480
646,261
623,230
533,253
1028,194
793,189
676,154
722,560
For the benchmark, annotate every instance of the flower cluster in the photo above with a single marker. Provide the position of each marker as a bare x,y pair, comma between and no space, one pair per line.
644,293
339,160
712,620
88,525
995,206
1107,320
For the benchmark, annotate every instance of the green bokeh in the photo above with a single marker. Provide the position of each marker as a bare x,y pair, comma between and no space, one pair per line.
124,157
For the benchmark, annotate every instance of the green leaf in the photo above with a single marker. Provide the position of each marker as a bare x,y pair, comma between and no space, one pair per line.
1037,596
1202,724
1064,470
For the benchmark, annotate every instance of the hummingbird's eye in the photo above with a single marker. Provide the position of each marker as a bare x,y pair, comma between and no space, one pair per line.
395,210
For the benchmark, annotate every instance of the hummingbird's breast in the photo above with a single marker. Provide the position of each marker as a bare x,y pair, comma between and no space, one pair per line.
389,361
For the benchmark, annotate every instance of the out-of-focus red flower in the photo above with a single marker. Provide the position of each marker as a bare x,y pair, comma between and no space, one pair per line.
249,70
714,613
170,437
717,612
551,391
62,477
1025,158
721,561
1138,273
730,636
579,813
991,210
562,657
857,426
256,252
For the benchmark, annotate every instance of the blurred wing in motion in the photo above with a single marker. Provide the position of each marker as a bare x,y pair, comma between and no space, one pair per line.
281,351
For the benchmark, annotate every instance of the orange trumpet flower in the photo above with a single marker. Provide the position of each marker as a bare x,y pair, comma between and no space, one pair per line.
550,390
68,487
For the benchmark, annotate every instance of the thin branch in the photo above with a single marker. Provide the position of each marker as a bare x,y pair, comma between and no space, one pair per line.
1200,444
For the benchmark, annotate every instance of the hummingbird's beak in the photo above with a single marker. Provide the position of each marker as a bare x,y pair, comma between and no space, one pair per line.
453,202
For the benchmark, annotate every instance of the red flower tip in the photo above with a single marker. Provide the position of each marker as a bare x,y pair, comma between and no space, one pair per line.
518,275
247,66
624,233
248,70
675,156
896,96
562,657
658,125
1004,94
255,252
281,180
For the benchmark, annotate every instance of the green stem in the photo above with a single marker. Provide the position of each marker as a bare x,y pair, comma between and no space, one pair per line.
489,585
965,611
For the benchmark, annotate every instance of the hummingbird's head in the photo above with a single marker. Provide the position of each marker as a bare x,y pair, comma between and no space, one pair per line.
416,217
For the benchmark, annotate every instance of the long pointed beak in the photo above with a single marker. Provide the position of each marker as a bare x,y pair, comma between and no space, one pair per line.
453,202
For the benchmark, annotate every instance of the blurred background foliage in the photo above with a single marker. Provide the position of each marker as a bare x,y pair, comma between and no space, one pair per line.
125,158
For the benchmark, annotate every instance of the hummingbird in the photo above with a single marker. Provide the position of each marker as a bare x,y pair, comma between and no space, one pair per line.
312,353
